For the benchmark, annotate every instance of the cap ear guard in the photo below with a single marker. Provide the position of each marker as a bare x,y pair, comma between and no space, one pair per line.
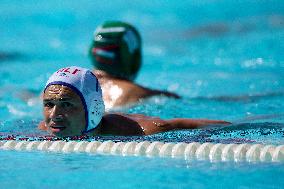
96,111
130,70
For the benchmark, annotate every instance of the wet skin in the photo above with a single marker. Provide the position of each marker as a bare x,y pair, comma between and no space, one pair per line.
63,111
119,92
64,116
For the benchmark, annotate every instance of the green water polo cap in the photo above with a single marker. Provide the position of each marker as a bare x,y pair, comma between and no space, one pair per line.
116,49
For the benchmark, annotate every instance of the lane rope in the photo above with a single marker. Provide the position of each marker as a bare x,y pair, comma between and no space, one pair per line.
214,152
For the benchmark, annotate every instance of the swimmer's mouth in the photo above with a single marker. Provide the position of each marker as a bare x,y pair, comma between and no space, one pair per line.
57,128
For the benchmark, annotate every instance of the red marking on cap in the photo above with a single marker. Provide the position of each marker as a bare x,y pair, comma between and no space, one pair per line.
109,47
104,60
68,70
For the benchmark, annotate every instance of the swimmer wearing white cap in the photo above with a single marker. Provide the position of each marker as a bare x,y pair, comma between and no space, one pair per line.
73,106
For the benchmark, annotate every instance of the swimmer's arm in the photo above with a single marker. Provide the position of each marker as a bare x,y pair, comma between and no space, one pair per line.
147,92
152,125
181,123
153,92
166,93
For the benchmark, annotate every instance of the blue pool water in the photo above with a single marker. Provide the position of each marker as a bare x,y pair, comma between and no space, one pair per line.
225,58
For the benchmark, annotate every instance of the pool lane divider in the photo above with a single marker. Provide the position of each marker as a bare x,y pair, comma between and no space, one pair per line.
214,152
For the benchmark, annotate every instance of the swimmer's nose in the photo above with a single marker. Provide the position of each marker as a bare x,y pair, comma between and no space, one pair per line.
56,114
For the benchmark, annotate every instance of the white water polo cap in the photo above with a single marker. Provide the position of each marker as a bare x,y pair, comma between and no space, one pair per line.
87,86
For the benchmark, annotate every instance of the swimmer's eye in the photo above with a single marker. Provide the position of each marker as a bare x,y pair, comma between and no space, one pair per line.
48,104
66,105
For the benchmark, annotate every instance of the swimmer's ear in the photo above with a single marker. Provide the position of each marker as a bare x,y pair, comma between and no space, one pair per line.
42,126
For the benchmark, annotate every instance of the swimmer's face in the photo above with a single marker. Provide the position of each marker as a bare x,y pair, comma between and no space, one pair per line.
64,114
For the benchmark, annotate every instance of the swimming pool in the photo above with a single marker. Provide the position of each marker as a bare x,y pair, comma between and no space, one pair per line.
225,59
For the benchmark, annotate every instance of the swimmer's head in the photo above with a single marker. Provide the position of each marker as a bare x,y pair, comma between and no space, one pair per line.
87,88
116,49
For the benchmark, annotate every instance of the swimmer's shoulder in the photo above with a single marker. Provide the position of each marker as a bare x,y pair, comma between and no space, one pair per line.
134,92
120,124
131,91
